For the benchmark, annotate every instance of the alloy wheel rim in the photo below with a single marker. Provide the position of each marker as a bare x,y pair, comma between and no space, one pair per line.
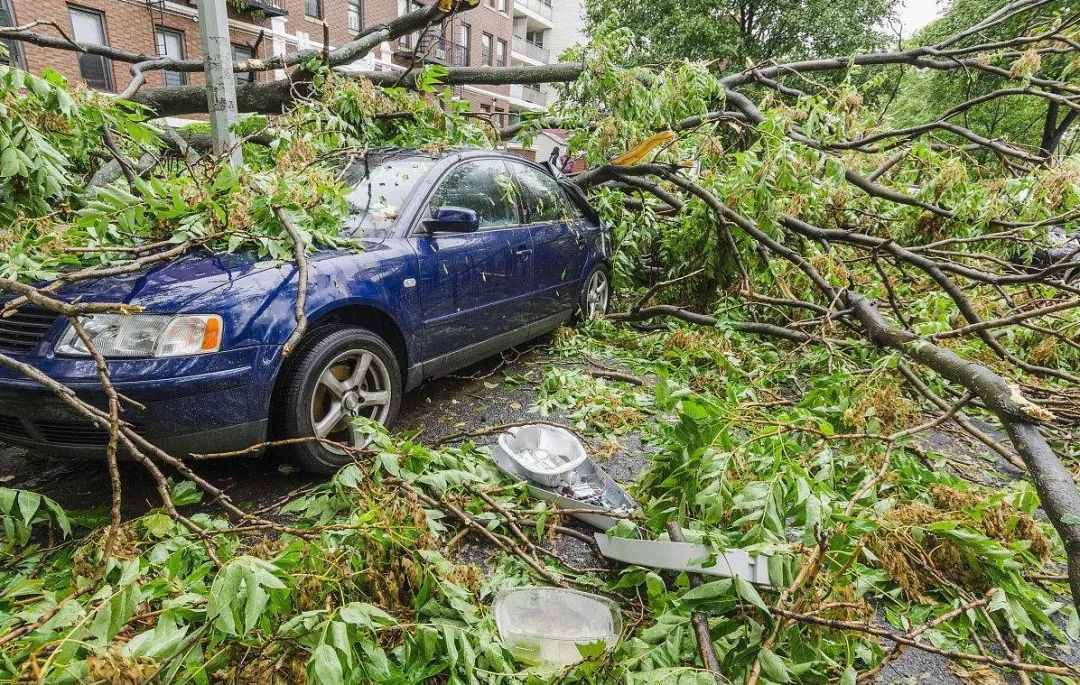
596,295
355,383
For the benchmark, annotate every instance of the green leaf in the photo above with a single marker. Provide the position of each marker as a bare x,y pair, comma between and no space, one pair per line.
326,666
28,504
365,615
376,664
772,666
654,585
158,525
591,649
710,590
749,594
1072,625
185,492
9,162
162,641
240,593
848,677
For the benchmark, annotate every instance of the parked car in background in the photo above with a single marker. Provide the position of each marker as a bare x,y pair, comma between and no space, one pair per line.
1061,248
465,254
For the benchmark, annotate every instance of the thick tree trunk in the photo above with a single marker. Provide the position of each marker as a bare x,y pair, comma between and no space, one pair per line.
1053,130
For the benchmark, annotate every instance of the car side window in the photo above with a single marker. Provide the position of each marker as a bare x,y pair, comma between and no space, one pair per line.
484,186
541,197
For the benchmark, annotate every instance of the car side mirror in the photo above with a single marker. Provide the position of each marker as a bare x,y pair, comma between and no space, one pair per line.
453,220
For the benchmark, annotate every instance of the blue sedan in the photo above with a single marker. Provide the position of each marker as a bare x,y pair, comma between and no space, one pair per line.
465,254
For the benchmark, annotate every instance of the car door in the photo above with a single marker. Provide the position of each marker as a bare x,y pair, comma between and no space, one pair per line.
470,283
558,243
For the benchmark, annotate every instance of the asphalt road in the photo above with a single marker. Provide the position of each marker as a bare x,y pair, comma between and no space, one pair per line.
448,405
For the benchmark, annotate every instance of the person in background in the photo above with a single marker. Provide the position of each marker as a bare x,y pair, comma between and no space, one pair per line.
560,161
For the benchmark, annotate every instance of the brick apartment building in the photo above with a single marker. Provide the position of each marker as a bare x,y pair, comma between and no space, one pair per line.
497,33
143,26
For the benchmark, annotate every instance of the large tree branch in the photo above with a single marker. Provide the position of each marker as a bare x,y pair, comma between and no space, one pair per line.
1057,490
274,97
927,57
490,76
271,98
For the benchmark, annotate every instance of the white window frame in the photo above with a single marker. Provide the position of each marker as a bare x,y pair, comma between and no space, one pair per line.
106,64
161,36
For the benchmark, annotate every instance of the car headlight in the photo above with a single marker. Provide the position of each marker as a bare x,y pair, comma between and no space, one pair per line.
144,335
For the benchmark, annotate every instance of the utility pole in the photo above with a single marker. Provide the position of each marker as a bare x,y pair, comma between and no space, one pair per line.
220,82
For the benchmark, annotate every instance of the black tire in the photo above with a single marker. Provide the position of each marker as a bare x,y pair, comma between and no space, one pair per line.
305,395
583,309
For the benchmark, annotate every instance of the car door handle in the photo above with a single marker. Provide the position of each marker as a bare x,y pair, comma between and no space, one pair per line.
523,251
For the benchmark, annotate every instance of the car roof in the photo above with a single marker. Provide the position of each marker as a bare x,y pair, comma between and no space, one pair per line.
455,152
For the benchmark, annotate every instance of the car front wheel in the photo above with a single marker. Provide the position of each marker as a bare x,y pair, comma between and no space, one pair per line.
343,373
593,301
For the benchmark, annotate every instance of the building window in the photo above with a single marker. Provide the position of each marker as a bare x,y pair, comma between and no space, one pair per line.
171,44
504,6
491,3
88,27
239,54
313,8
403,8
485,49
9,49
355,16
500,53
466,44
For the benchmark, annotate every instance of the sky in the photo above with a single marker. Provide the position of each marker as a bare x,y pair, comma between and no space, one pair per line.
914,14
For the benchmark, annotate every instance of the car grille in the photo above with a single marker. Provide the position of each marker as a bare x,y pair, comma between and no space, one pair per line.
71,433
11,427
80,433
23,330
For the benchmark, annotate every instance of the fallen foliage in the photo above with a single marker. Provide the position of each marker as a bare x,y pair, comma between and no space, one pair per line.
853,288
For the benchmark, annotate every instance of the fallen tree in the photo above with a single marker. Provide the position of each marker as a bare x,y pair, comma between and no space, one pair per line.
766,192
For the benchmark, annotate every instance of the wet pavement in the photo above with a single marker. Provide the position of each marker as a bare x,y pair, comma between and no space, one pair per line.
475,398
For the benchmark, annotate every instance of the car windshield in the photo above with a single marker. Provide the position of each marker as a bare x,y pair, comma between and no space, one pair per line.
379,189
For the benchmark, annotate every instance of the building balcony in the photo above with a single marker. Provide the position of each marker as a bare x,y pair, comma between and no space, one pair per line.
269,8
531,50
537,8
431,50
530,94
442,51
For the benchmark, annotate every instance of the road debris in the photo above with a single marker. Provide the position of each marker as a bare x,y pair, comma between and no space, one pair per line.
530,453
555,626
685,556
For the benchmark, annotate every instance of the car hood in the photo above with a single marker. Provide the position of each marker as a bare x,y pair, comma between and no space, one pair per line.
175,285
171,286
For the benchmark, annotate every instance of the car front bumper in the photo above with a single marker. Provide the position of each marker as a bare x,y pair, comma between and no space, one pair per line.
186,405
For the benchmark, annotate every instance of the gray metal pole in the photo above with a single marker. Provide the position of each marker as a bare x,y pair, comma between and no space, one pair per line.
220,83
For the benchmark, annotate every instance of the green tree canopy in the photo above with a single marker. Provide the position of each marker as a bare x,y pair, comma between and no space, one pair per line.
1032,121
733,31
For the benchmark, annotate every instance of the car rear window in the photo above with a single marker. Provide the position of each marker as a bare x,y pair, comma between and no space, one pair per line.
379,190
